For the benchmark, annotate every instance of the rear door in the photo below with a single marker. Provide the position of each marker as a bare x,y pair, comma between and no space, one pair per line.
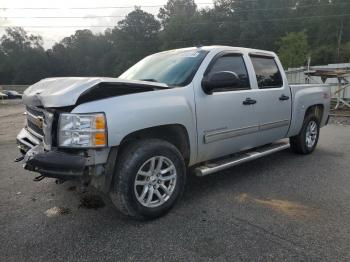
274,98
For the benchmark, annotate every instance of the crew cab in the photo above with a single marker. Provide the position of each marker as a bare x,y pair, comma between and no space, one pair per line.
135,137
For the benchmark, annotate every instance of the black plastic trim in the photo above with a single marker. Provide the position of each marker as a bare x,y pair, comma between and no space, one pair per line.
111,89
57,164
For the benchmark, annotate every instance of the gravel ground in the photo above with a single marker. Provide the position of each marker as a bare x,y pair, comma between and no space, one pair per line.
339,120
283,207
11,119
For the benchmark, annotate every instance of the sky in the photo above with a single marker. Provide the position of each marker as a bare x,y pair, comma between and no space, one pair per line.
24,13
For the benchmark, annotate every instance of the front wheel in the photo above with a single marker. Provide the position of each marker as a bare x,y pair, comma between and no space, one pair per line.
306,141
149,178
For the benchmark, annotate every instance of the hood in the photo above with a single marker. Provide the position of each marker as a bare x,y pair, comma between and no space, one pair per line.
68,91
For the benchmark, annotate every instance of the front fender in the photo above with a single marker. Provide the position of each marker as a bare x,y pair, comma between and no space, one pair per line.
129,113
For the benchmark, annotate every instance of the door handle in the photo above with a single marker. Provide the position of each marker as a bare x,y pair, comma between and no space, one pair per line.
249,101
284,97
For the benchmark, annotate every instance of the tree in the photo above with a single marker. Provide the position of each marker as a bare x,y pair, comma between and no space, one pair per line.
134,38
180,23
23,59
17,40
256,24
294,49
177,8
81,54
323,26
345,52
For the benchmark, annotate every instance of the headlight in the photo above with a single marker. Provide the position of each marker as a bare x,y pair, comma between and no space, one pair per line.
82,130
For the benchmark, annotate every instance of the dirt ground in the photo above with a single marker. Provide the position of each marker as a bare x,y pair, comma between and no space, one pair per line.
11,119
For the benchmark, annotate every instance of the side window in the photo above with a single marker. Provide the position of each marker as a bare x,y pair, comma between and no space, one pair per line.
267,72
232,63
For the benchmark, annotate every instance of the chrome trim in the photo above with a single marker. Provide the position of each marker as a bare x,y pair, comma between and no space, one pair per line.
275,124
47,125
24,133
22,142
36,120
220,135
34,133
245,157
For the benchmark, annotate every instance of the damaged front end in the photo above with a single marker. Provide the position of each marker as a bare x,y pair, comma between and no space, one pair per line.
52,144
40,151
54,164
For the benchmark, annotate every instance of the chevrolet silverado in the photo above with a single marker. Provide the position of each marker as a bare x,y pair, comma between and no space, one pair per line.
193,110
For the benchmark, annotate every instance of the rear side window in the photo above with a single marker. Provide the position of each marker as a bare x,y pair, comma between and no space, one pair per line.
267,72
232,63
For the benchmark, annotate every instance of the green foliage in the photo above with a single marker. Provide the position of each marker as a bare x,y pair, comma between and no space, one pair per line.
294,49
81,54
177,9
23,60
345,52
134,38
293,28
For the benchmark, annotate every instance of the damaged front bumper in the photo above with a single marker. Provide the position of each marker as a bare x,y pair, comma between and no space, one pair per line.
54,164
26,141
60,164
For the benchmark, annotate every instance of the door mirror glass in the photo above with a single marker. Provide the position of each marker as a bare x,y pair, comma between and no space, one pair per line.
220,81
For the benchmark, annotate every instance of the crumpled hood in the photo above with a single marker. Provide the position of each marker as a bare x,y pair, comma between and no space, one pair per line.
65,91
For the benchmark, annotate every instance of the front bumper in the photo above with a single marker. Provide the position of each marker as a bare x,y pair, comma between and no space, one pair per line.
60,164
54,164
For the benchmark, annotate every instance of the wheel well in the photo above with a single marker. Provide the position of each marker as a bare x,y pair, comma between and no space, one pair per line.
316,110
175,134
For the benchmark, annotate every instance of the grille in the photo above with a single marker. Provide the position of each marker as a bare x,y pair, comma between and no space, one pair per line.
35,111
35,128
35,121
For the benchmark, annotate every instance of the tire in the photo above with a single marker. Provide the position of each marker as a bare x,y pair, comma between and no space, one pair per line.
135,164
299,143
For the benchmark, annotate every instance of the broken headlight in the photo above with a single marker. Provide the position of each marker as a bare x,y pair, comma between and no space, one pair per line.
82,130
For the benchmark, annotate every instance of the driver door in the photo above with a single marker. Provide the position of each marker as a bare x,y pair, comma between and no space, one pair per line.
225,124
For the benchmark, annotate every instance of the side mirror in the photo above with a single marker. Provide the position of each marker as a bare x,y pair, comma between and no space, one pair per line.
222,79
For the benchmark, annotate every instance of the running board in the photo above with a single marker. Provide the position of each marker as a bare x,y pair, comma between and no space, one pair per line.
212,167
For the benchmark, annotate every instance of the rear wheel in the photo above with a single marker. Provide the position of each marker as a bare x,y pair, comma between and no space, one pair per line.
150,177
306,141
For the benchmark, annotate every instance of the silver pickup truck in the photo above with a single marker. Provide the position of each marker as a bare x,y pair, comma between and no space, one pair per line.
199,110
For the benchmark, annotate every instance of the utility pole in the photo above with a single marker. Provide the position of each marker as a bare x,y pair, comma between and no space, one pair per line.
340,34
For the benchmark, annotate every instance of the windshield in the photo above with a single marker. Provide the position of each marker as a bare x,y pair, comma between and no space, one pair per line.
174,68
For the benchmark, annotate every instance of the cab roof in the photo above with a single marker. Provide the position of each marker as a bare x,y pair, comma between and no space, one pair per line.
220,48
